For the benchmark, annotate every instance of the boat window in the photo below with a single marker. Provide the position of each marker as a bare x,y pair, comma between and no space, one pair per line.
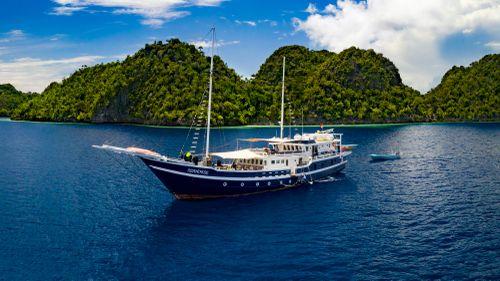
272,161
287,162
265,162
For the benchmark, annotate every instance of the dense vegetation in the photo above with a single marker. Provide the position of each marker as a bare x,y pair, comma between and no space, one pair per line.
160,84
468,93
10,99
165,83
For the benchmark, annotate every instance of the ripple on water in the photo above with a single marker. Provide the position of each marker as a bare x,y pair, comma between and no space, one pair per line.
71,212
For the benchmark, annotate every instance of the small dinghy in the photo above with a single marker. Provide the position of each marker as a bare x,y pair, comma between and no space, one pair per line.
383,157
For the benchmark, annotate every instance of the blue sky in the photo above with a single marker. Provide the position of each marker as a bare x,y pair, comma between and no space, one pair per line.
43,41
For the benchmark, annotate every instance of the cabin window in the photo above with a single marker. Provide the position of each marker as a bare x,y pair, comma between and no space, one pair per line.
261,161
287,162
265,162
272,161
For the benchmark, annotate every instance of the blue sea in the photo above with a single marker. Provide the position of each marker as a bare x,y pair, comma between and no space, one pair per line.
71,212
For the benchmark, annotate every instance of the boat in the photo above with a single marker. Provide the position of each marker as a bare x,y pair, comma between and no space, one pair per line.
281,163
348,147
383,157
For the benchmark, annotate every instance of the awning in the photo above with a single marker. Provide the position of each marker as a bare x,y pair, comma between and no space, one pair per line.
238,154
273,140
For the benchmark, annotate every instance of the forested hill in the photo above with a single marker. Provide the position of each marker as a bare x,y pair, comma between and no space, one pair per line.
163,83
10,99
160,84
468,93
352,86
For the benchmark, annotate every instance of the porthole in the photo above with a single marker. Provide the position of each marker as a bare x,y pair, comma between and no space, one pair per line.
242,184
224,184
268,183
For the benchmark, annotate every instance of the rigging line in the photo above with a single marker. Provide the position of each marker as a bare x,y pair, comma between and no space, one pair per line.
220,146
206,35
193,121
127,169
138,168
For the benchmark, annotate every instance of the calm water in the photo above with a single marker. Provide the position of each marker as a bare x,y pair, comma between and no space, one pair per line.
68,211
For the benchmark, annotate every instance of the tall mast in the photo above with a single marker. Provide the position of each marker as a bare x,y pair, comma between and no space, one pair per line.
210,93
282,100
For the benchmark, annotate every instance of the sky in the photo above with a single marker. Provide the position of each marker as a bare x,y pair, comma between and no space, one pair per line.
42,41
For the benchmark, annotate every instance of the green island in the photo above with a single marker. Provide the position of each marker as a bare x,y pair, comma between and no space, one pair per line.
165,84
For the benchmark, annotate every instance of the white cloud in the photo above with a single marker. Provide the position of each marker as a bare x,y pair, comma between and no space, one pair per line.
156,23
271,23
154,12
494,45
311,9
29,74
409,33
247,22
208,44
330,9
66,11
16,33
208,3
57,37
13,35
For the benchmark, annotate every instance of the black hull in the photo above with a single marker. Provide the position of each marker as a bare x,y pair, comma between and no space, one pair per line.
189,182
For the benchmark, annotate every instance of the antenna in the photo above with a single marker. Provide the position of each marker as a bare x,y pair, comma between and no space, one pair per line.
302,122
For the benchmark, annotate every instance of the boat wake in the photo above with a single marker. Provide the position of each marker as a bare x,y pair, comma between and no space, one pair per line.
327,179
